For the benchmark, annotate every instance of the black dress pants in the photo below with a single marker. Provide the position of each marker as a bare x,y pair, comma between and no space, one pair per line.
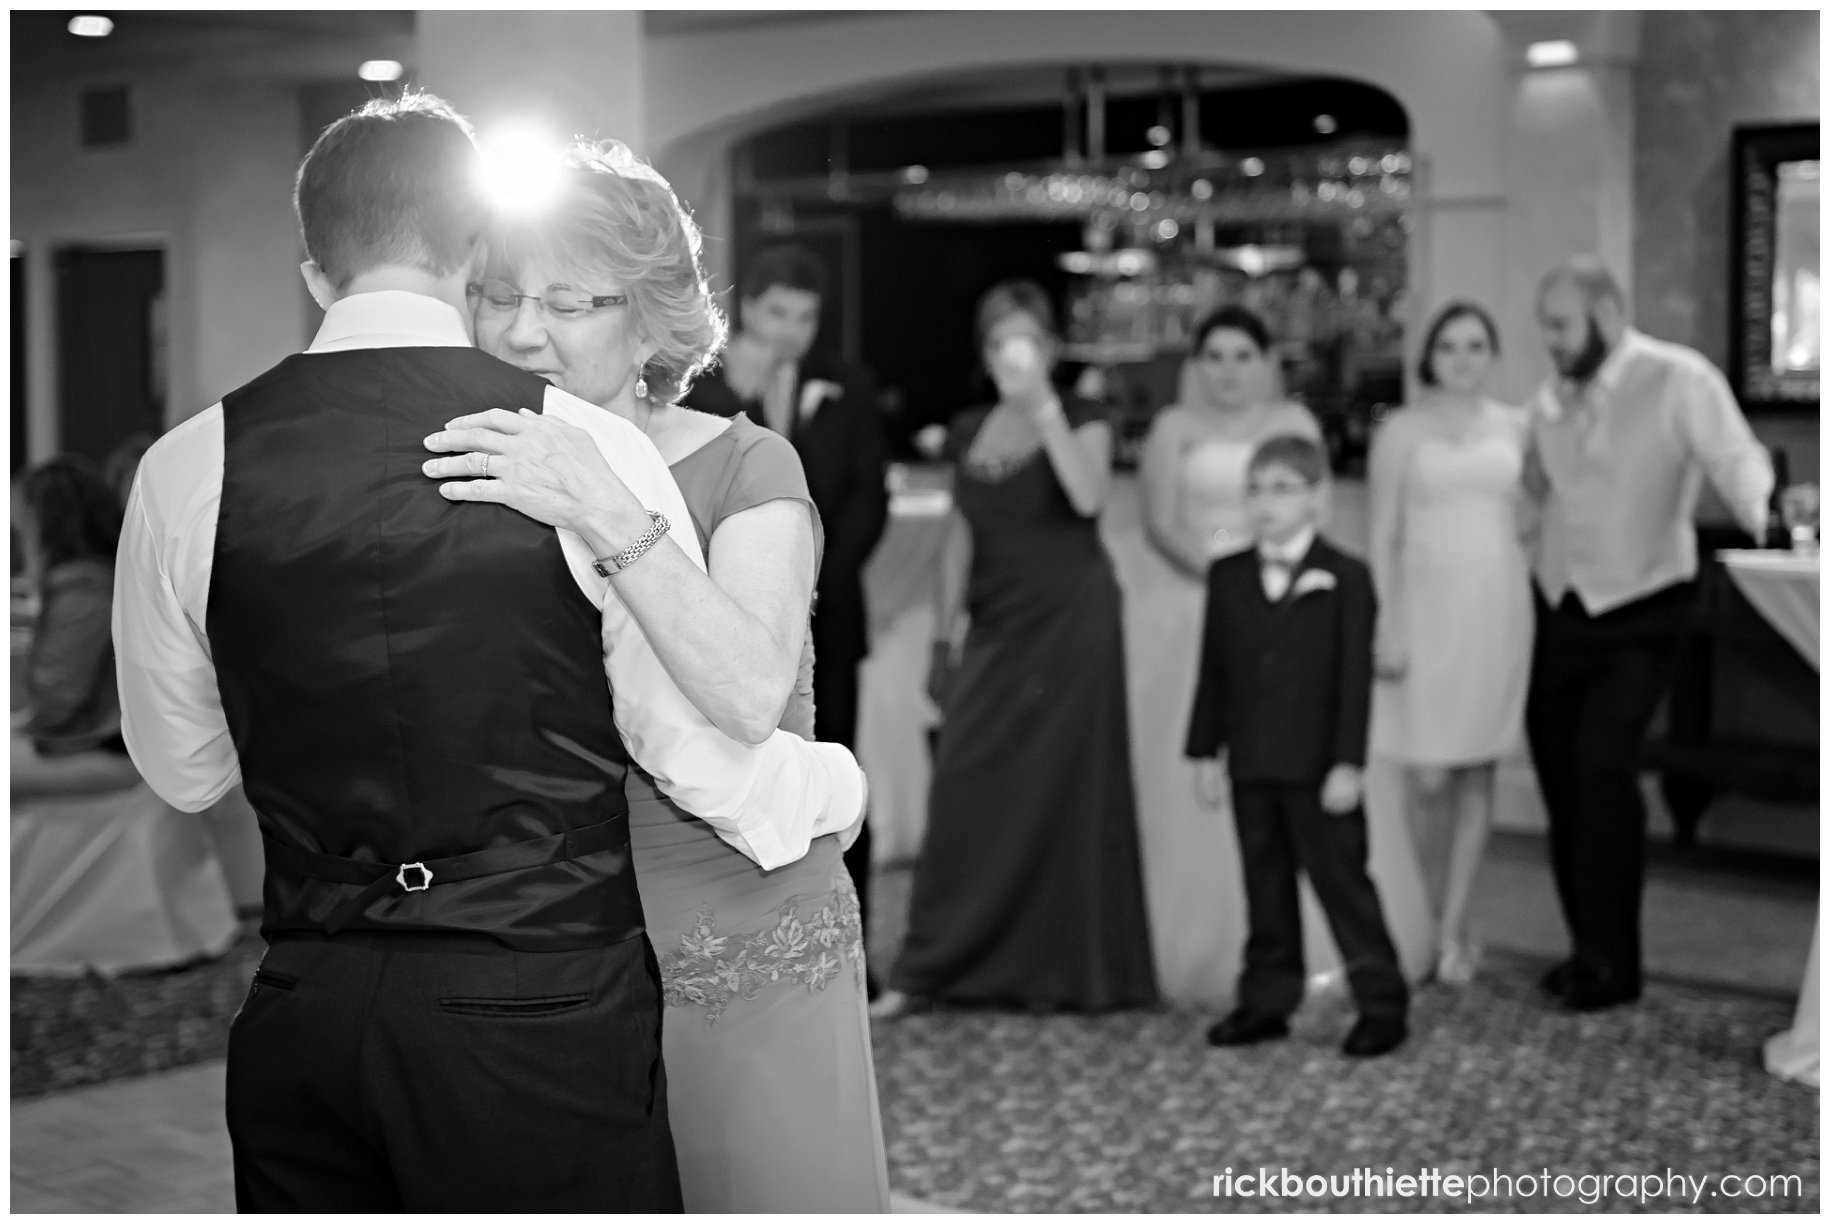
1596,682
1283,828
431,1072
835,721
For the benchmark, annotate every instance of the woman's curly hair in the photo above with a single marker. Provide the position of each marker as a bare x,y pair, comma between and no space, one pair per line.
615,214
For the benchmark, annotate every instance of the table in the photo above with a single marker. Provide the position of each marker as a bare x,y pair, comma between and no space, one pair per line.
894,713
1783,587
107,877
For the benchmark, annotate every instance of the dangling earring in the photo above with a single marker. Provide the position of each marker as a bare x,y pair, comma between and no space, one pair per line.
641,385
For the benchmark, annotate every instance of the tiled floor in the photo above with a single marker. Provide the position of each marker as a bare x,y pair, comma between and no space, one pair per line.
154,1144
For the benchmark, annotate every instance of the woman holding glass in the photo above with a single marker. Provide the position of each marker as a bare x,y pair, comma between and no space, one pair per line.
1027,889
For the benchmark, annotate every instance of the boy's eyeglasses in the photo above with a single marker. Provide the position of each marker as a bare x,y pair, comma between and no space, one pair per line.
1277,488
498,297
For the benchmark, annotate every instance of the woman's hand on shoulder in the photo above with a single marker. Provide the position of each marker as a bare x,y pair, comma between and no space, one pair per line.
547,469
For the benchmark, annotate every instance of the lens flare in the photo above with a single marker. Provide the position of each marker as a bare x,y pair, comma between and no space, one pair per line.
518,167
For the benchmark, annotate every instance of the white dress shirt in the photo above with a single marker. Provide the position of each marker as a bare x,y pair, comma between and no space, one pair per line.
768,800
1277,563
1616,465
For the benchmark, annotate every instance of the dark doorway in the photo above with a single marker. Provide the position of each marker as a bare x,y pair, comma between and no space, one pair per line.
110,347
18,343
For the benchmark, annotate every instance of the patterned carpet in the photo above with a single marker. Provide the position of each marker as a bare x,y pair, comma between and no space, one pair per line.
1133,1112
68,1032
991,1111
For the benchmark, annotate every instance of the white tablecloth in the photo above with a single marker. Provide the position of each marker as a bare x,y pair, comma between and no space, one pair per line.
1783,587
112,882
894,714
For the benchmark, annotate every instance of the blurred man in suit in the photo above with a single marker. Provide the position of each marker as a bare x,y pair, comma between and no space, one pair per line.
827,407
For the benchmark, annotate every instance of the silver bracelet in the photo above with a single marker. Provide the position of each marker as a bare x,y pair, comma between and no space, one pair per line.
658,526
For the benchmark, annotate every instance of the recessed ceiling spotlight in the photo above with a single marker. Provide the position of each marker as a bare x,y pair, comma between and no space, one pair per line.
1555,53
89,25
380,70
1326,125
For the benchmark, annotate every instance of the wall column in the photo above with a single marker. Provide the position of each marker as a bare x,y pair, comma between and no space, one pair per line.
1568,169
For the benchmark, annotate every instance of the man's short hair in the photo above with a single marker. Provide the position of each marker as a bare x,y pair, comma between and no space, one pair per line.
1591,278
1301,455
790,266
391,184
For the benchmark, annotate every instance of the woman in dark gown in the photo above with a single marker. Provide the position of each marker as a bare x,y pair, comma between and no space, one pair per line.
1028,889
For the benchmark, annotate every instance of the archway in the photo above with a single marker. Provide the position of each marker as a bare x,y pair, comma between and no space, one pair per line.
1202,186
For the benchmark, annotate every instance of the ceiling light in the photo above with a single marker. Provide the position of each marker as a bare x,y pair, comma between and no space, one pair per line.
1556,53
380,70
90,26
1325,124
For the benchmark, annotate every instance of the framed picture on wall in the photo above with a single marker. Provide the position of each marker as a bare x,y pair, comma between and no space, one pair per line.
1775,298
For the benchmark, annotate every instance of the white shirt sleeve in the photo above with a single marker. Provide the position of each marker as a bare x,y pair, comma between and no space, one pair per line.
171,711
1717,433
767,800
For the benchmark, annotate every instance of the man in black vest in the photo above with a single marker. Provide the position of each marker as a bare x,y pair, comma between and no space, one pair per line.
458,1009
827,407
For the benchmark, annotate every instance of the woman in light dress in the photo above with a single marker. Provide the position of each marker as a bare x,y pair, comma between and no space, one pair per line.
1193,472
1455,620
771,1091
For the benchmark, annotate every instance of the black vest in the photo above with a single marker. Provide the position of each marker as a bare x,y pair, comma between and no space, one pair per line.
407,679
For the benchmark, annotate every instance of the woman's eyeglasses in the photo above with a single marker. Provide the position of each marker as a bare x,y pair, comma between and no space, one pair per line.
499,297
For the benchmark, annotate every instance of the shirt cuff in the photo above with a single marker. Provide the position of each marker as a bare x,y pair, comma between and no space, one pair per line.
845,782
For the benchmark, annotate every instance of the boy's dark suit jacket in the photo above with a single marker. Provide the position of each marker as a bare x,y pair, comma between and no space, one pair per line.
1286,687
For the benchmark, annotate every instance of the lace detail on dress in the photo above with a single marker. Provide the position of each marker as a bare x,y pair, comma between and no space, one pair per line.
809,943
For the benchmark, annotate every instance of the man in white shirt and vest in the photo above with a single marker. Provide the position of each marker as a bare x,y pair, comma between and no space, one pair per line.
1621,440
458,1009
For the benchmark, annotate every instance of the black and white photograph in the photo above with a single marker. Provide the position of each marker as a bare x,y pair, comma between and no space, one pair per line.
915,610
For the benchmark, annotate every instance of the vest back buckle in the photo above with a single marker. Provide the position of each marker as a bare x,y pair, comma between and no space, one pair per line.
425,877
